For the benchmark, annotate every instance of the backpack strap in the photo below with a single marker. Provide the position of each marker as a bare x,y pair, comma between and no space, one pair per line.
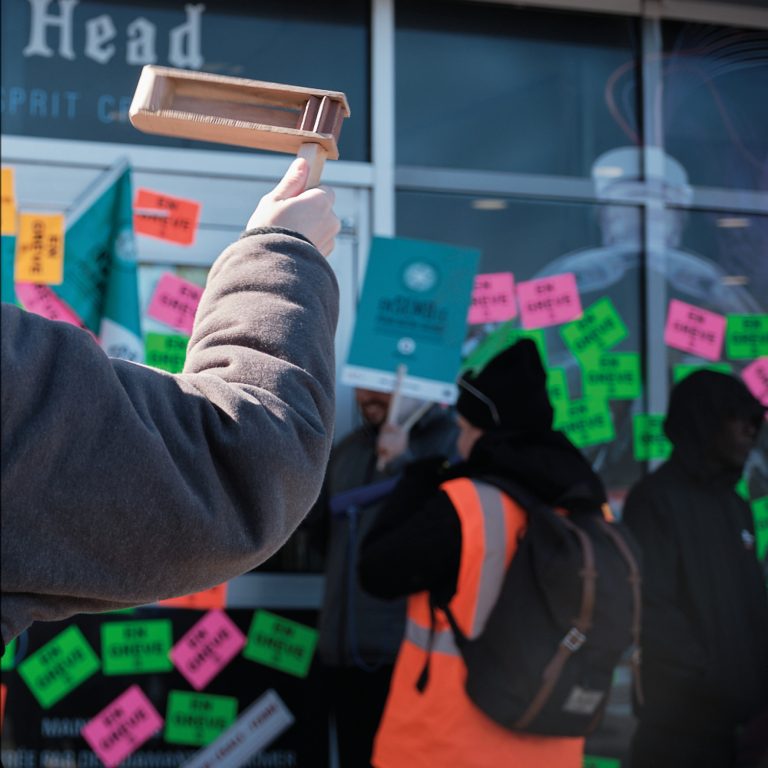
576,635
635,584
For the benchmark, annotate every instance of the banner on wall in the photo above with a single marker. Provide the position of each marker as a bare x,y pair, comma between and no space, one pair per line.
413,313
98,289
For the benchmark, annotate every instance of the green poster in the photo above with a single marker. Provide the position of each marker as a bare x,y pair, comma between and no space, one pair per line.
612,376
280,643
9,657
136,647
166,351
59,666
557,389
412,315
197,718
680,371
586,422
649,440
760,514
497,341
746,337
592,761
598,329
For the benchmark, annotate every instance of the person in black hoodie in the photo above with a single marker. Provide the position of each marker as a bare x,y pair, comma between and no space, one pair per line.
505,430
705,609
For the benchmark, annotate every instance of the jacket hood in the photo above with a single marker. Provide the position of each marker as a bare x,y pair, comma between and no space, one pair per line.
699,405
544,462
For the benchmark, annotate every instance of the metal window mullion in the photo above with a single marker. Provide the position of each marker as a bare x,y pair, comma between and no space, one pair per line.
655,283
383,116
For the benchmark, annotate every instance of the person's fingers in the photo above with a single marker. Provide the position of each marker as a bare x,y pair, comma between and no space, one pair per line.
294,181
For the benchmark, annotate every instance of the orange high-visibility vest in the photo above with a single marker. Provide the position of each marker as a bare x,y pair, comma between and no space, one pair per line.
441,727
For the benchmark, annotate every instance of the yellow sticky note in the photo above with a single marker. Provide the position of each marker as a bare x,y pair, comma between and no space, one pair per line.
8,200
40,249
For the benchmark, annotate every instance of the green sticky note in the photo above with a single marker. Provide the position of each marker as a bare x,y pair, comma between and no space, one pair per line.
166,351
742,488
586,422
649,440
197,718
59,666
680,371
598,329
136,647
612,376
500,339
592,761
9,656
280,643
557,389
760,514
746,337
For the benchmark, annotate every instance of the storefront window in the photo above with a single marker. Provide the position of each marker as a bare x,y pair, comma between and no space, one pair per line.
712,121
70,69
509,89
600,245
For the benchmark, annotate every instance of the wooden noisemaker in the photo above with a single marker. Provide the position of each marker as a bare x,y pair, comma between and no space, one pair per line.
246,113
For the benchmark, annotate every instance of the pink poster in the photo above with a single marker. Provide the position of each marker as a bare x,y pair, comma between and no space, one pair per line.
207,648
755,376
122,727
493,298
694,330
41,300
174,302
549,301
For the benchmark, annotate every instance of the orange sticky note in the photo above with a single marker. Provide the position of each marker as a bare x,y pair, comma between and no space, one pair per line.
206,600
40,249
167,218
8,200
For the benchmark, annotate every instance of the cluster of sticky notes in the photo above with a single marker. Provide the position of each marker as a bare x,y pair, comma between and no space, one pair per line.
165,217
165,351
280,643
493,298
174,302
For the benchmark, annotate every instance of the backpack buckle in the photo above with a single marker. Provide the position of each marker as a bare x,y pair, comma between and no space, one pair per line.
573,640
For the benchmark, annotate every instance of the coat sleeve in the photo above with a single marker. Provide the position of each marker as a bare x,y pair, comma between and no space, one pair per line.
122,484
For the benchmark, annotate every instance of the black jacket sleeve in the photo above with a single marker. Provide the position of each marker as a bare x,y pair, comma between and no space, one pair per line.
415,544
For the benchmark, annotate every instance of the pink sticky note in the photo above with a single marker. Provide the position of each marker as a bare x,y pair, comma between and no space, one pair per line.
41,300
549,301
755,376
174,302
122,727
694,330
493,298
208,647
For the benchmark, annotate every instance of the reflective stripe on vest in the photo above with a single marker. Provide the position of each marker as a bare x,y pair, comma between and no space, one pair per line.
490,524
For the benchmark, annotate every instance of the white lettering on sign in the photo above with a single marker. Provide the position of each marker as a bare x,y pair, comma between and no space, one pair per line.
184,41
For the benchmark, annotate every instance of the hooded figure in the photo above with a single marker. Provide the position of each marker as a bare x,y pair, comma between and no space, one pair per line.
426,544
705,609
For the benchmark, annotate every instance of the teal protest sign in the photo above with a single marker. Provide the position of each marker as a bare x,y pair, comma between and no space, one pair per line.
412,312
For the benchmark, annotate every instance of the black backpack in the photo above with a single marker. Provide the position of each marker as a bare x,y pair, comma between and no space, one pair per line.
568,609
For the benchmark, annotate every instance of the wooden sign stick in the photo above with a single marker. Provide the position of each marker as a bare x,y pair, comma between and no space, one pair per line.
240,112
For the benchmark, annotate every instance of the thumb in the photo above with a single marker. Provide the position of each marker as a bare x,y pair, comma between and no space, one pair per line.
294,181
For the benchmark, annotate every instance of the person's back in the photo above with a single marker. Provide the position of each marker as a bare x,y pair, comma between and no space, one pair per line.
705,609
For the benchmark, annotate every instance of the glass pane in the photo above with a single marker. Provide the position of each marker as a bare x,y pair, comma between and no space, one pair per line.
70,70
713,121
535,239
502,88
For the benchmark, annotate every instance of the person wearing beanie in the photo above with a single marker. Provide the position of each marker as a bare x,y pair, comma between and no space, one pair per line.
705,609
431,545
